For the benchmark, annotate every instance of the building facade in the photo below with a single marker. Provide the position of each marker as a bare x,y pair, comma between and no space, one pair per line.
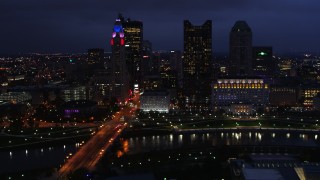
157,101
75,93
282,95
120,76
240,49
316,102
227,92
309,91
263,62
15,97
197,61
95,56
133,31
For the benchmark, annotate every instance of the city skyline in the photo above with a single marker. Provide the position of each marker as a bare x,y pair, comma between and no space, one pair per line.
49,27
77,108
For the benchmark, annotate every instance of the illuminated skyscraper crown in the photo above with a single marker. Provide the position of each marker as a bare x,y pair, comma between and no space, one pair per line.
117,33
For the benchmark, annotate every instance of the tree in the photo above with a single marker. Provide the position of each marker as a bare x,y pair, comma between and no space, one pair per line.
79,174
16,125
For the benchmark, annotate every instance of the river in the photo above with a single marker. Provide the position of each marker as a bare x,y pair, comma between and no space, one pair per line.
48,157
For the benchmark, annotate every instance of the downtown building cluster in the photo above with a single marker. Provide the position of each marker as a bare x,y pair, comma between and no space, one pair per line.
249,80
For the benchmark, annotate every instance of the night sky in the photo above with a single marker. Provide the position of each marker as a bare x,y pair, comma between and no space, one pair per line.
73,26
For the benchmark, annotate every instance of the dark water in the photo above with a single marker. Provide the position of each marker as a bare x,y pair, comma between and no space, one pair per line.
48,157
36,158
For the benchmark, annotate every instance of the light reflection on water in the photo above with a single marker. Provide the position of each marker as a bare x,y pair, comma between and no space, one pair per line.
172,141
54,156
180,138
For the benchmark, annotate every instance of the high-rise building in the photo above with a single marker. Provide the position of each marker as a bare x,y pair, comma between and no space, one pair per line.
168,74
241,49
146,62
176,65
146,48
133,43
263,63
120,76
197,64
95,56
113,81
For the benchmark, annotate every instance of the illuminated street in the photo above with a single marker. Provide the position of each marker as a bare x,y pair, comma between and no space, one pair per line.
91,152
89,155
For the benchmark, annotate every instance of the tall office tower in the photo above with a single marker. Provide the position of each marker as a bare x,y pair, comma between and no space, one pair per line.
263,62
146,63
176,65
197,65
146,48
241,49
167,73
95,56
120,76
133,44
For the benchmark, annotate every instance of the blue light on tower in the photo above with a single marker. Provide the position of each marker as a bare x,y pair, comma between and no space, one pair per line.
117,28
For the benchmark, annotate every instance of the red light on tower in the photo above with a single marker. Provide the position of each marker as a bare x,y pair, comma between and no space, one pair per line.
112,42
122,42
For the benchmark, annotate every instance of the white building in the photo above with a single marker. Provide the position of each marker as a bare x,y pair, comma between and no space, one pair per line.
158,101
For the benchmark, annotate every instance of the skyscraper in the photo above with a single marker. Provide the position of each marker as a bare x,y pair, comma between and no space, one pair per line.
197,64
146,63
133,43
120,76
241,49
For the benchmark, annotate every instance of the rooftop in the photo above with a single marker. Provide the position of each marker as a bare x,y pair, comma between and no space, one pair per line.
241,26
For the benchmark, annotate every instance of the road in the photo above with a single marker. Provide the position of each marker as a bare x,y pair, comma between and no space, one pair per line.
92,151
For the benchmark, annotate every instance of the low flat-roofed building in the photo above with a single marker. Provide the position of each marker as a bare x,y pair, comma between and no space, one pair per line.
15,97
229,91
309,91
311,172
158,101
16,77
261,174
273,166
241,109
234,91
284,95
75,93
